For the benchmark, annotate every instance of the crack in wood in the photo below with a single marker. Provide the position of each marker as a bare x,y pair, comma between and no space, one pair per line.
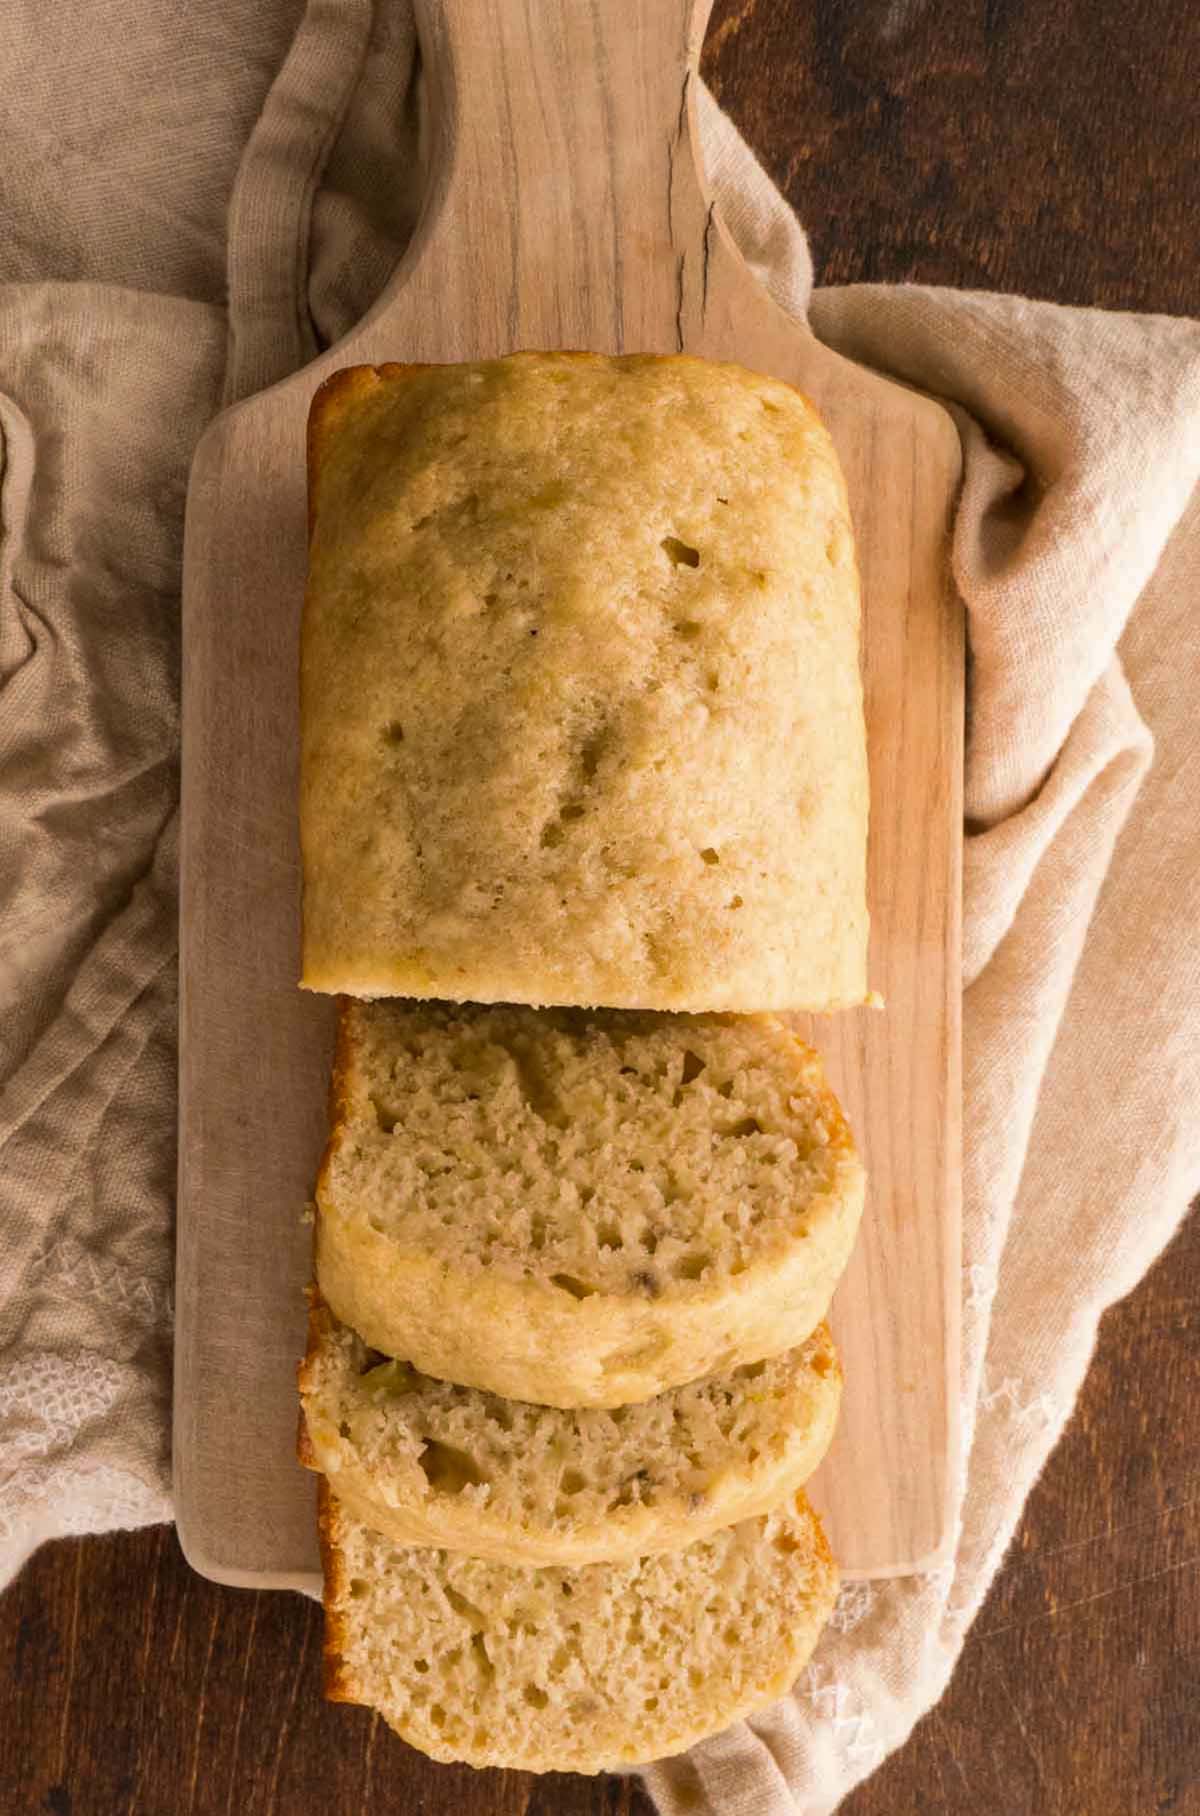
708,227
677,139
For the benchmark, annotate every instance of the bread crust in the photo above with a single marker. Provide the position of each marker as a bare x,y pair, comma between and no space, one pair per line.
600,914
331,402
336,1684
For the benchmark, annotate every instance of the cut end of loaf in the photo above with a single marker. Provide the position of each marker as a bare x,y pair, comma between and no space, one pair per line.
625,1202
426,1462
600,1152
585,1670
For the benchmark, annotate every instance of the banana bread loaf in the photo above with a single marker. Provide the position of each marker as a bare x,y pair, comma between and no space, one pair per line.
581,716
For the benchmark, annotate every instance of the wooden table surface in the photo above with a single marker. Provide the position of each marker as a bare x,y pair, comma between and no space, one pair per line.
1044,147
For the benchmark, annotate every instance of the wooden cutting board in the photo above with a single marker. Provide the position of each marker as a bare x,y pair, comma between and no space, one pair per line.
566,209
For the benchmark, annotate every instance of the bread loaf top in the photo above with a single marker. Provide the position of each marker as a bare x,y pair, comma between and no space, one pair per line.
581,717
617,1202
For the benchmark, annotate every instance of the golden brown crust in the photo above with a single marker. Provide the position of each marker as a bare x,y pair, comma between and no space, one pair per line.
306,1456
312,1296
335,1683
330,402
340,1097
337,394
821,1545
787,1421
343,1052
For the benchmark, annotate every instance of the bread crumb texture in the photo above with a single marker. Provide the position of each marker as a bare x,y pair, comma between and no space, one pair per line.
622,1201
581,709
572,1670
430,1463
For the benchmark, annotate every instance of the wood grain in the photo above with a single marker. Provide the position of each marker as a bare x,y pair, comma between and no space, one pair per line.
992,145
1077,1691
565,162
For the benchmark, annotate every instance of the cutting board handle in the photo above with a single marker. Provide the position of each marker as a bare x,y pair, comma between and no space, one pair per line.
560,129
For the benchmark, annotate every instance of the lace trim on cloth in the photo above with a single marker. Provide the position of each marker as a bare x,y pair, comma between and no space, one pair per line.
52,1405
105,391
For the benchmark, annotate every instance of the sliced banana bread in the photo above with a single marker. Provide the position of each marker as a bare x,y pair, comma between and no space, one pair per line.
580,1207
428,1463
572,1670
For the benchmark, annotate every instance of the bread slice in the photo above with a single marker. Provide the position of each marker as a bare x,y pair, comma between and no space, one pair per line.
427,1463
581,716
580,1208
572,1670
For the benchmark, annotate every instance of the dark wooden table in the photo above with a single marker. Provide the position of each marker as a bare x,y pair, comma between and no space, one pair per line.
1046,146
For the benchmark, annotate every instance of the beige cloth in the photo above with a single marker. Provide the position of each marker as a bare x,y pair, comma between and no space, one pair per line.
1077,549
